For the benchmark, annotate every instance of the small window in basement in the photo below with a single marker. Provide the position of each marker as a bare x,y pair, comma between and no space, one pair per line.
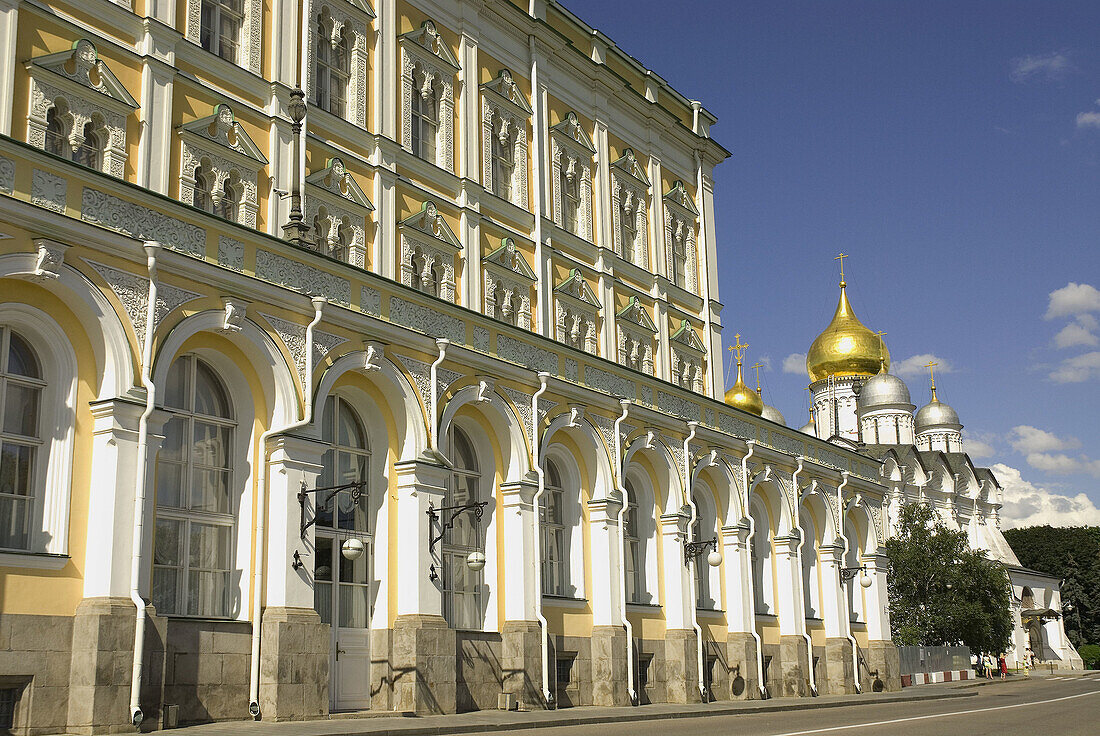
8,697
565,669
643,671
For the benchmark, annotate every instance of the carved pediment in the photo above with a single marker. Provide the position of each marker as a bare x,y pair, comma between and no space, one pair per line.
571,130
504,90
508,257
335,179
679,197
637,315
628,164
363,6
687,337
574,286
223,129
429,222
427,38
82,66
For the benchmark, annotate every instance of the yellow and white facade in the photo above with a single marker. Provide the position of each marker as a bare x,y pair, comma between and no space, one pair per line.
475,297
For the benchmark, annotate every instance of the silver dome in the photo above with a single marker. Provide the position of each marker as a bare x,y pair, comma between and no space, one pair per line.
936,413
809,428
771,413
883,389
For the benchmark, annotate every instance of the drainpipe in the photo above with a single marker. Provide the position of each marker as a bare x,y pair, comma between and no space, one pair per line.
433,420
319,303
544,379
693,427
847,613
752,593
801,580
622,555
152,248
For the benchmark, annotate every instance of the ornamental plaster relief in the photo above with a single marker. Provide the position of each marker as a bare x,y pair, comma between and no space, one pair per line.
522,402
630,202
230,253
527,355
679,406
573,162
142,223
504,116
427,321
736,426
608,383
298,276
219,169
370,301
428,69
293,336
7,175
48,190
133,293
342,24
681,218
251,46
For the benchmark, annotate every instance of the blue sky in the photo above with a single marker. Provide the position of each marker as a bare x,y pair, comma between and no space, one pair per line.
953,150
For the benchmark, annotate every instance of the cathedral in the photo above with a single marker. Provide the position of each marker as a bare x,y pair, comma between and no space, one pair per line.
858,404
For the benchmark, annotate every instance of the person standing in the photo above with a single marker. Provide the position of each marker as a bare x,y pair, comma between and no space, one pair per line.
1004,666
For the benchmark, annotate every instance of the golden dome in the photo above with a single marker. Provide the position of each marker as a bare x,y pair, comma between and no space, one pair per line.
846,347
743,397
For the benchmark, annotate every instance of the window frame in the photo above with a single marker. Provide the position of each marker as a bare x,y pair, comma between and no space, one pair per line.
453,554
213,30
33,442
427,61
250,44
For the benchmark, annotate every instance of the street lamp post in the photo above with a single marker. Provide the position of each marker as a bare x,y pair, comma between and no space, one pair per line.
295,229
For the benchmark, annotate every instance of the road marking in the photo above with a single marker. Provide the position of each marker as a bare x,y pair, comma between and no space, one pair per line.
934,715
1052,679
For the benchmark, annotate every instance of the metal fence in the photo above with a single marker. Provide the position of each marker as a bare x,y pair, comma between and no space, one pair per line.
933,659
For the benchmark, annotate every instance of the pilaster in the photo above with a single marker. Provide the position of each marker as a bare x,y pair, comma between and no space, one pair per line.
102,648
609,682
876,611
157,75
679,598
682,666
793,656
741,658
521,662
790,601
603,588
518,527
420,484
294,664
834,600
292,462
9,29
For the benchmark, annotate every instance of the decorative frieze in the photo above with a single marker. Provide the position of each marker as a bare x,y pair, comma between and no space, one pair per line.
230,253
525,354
426,320
298,276
608,383
677,405
48,190
370,301
736,426
7,175
140,222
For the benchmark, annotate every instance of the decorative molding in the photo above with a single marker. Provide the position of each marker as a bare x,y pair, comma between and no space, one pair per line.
688,358
340,24
672,404
636,332
230,253
736,426
140,222
527,355
522,402
302,278
81,89
7,175
337,203
427,240
48,190
427,320
428,69
630,199
481,339
571,156
645,396
681,218
370,301
220,147
576,312
608,383
133,293
49,256
504,116
251,31
508,276
571,370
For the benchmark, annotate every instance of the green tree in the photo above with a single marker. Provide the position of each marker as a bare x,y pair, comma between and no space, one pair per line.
1090,654
942,592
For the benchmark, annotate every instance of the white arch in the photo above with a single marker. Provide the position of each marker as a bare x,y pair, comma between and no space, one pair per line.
774,499
278,382
513,440
401,397
103,326
603,481
656,449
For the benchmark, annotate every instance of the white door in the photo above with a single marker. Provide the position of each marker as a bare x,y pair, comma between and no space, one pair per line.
342,598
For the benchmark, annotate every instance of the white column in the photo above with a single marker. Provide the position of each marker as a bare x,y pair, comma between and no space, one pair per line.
469,120
518,527
419,484
602,193
385,214
155,143
386,71
110,510
283,42
679,603
737,568
292,462
9,28
606,293
657,221
281,168
833,598
875,598
540,188
790,603
603,588
472,282
662,363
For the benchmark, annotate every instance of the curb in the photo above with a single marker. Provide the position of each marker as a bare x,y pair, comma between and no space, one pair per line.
631,715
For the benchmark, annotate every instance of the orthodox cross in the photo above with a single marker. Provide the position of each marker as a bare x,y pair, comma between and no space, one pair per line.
737,347
880,334
840,257
756,366
931,366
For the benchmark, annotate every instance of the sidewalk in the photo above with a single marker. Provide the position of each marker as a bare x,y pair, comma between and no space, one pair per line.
490,720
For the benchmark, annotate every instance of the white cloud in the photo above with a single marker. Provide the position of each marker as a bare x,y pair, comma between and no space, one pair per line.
765,362
1026,504
795,363
915,365
1078,369
1076,333
1026,439
1073,299
978,445
1063,464
1050,67
1088,120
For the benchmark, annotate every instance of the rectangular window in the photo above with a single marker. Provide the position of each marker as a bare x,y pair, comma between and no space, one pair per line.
554,562
679,261
570,203
635,575
644,662
565,669
8,698
425,123
504,166
220,27
628,233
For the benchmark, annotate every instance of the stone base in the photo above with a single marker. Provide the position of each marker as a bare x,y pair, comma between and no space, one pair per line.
682,666
102,662
381,670
294,664
882,661
794,681
741,660
521,662
609,678
424,666
839,675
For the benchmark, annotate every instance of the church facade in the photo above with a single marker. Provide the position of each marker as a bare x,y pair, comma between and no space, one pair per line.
858,403
386,375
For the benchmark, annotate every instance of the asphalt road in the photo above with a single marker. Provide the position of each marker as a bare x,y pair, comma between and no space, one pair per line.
1036,707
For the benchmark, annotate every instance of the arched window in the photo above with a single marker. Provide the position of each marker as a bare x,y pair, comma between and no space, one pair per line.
628,226
462,596
679,259
504,163
21,387
571,201
425,115
192,557
853,589
89,152
202,197
635,562
333,67
57,138
229,204
761,553
338,246
555,534
703,530
345,461
220,29
811,585
514,309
